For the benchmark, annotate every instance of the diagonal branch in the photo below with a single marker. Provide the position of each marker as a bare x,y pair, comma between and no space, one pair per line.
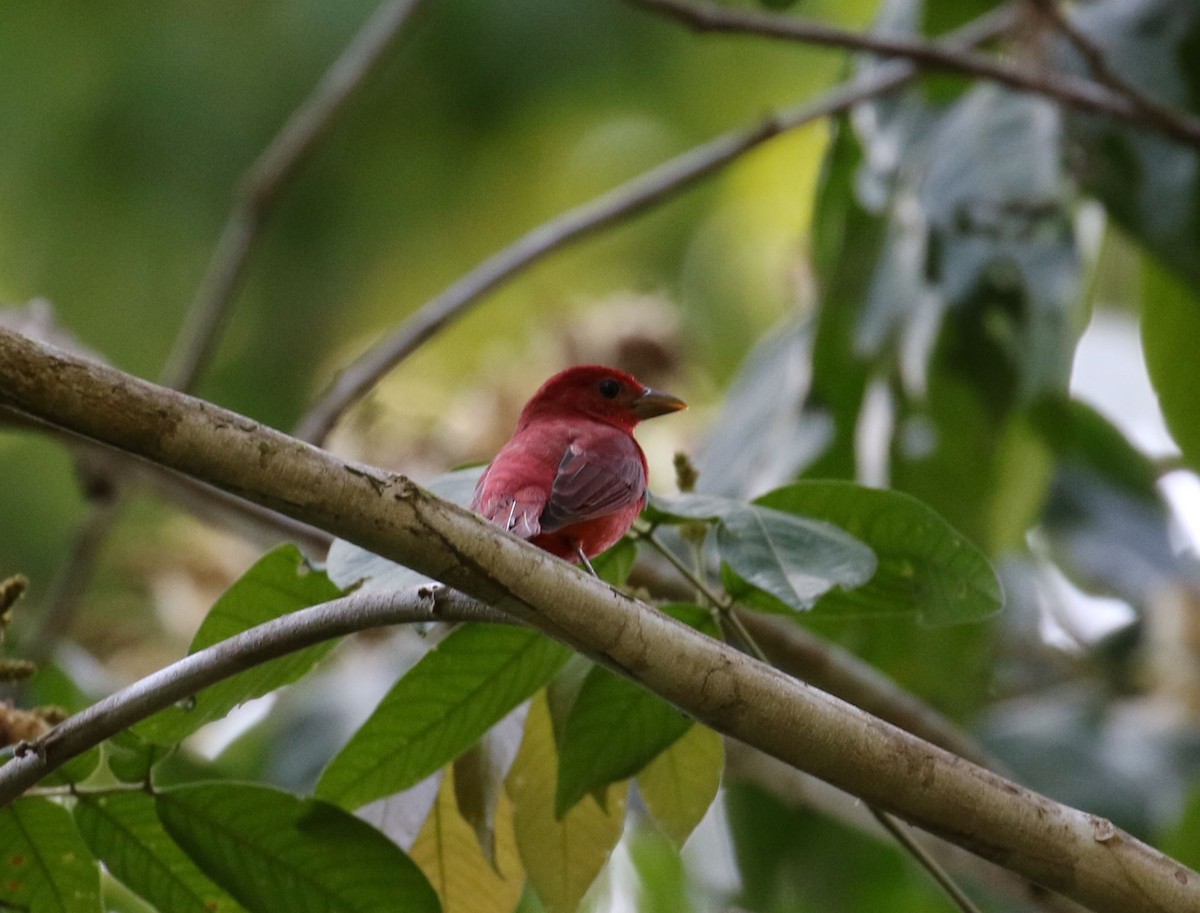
1095,61
1084,857
1076,92
656,186
262,185
836,670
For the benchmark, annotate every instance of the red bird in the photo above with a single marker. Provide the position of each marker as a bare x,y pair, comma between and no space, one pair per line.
572,479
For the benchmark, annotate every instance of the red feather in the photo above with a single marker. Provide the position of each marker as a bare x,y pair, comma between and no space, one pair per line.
572,479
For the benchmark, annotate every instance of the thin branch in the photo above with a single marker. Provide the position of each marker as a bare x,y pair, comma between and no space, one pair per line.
260,189
1082,94
1081,855
252,647
893,826
1096,61
69,587
656,186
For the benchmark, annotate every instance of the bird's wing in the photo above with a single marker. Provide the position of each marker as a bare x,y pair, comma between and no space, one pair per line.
594,480
516,511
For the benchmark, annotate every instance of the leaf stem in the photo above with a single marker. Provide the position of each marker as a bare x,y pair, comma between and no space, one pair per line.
893,826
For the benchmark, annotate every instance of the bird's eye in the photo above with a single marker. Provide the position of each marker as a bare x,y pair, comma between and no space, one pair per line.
609,388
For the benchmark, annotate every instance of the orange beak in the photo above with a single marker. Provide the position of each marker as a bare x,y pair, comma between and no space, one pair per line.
653,402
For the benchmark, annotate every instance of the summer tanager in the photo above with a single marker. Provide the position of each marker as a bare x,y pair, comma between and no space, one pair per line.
572,479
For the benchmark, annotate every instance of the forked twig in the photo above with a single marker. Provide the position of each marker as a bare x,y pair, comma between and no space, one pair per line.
1077,92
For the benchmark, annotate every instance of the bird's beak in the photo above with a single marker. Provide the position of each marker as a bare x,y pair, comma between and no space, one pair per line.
653,402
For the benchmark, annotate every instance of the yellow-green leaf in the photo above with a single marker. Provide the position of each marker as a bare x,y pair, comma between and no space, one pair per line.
447,851
562,857
680,784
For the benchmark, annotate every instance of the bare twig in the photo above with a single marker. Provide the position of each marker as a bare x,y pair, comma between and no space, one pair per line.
69,587
1082,94
619,204
1081,855
1096,62
223,660
260,188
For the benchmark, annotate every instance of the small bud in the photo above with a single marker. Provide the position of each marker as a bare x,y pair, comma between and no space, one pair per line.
19,726
11,590
686,473
16,670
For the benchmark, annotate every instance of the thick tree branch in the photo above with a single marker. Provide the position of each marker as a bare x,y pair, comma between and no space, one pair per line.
253,521
260,188
1083,856
832,668
656,186
1076,92
838,671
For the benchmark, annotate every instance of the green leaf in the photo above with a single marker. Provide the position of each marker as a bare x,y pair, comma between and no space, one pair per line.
615,728
1002,250
124,832
925,566
613,566
130,757
604,703
969,456
281,582
44,864
1170,329
274,851
688,508
795,559
1182,842
849,243
458,690
762,405
1078,433
76,770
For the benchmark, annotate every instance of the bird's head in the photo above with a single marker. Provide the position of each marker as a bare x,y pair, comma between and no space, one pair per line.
601,393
